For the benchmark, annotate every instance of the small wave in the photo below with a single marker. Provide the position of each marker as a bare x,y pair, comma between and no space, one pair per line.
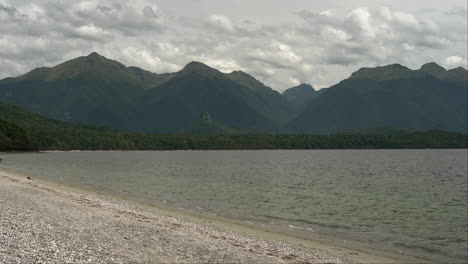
424,248
309,222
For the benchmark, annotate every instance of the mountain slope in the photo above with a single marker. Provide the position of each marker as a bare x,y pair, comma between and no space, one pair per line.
274,103
46,133
99,91
196,89
23,130
150,79
392,96
299,96
91,89
456,76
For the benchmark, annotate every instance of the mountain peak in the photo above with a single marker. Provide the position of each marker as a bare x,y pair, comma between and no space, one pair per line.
240,75
301,89
299,96
433,68
95,57
199,68
93,54
196,65
304,86
381,73
459,69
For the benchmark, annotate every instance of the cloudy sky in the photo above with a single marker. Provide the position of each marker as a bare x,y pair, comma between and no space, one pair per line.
282,43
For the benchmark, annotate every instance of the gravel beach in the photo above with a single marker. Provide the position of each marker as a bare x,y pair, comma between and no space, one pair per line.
41,222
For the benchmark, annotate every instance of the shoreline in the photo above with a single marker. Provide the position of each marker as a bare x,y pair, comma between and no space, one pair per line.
240,243
183,150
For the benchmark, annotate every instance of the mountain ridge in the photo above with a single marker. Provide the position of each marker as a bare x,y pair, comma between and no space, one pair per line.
393,96
99,91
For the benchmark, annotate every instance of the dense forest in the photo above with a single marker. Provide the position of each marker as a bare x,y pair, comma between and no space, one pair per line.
24,130
14,137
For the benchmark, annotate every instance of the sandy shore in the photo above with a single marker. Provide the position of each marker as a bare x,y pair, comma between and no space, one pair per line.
43,222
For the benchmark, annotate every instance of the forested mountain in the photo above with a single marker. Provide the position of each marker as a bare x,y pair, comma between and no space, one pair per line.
98,91
177,104
92,90
23,130
391,96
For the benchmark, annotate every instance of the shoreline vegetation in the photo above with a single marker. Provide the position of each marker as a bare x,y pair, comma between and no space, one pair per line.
15,137
47,222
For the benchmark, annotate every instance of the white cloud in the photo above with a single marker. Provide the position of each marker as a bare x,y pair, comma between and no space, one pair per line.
455,61
92,32
32,11
333,34
406,20
321,46
221,22
145,59
360,19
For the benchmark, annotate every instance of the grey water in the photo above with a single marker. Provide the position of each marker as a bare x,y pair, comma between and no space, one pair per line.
408,201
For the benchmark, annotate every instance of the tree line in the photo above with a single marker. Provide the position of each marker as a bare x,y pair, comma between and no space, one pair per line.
44,136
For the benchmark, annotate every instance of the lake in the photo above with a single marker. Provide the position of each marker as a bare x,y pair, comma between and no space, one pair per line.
407,201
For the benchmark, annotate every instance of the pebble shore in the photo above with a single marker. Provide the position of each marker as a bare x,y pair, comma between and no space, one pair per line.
43,223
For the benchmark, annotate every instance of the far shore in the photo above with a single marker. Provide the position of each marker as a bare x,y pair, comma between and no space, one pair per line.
43,221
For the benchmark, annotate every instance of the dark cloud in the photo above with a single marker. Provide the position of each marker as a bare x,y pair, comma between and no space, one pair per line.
8,10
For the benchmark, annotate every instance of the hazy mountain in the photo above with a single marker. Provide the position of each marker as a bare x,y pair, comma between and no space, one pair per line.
392,96
276,106
299,96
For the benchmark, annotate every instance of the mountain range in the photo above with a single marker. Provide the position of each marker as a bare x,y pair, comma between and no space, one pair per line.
99,91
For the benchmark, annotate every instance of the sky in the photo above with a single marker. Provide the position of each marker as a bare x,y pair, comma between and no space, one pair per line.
281,43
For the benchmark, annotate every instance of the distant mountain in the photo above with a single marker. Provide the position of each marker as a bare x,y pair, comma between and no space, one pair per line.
275,104
299,96
175,105
91,89
390,96
457,76
99,91
398,72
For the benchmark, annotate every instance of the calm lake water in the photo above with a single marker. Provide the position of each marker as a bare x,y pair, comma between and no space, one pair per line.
408,201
